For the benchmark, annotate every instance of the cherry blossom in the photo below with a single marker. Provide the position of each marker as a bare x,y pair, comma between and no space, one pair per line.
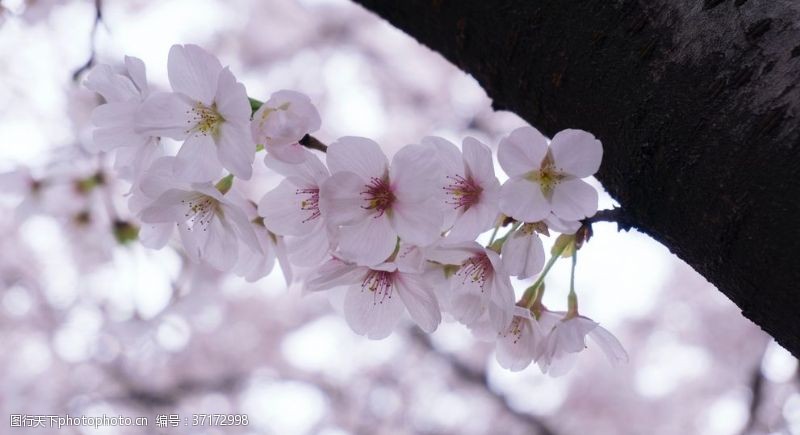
282,121
123,92
292,208
375,203
566,337
211,226
480,286
208,110
521,342
252,264
469,186
523,252
548,179
377,296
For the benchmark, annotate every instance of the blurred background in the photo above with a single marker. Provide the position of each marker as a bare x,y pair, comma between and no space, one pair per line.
90,325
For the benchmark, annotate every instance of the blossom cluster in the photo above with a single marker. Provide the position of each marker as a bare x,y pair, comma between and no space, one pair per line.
398,235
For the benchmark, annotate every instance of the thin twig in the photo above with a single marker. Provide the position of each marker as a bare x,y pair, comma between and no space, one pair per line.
616,215
98,19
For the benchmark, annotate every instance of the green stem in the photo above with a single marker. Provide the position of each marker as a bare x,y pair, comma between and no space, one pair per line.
572,299
255,104
531,292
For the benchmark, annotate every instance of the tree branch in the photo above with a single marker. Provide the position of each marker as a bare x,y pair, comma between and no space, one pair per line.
98,19
696,108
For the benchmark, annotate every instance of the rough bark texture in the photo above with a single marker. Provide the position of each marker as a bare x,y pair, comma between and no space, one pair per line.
696,103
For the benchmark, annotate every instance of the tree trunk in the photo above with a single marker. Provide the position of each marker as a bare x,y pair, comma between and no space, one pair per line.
695,102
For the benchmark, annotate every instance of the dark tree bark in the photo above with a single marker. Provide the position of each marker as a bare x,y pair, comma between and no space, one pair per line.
696,103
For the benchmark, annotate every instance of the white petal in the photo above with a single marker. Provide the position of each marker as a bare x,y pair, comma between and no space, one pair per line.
609,344
523,254
417,223
193,72
221,249
335,273
340,199
419,301
574,200
415,173
231,100
474,221
369,242
478,160
167,207
292,153
371,314
466,307
521,151
240,226
359,155
516,351
576,152
283,213
311,249
164,114
197,160
115,122
156,236
311,170
235,150
114,87
523,200
137,73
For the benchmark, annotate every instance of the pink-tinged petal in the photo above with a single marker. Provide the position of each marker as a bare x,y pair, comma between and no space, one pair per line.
415,174
523,254
137,73
221,249
466,308
453,254
240,226
369,242
576,152
310,170
156,236
334,273
111,85
168,207
478,161
292,153
417,223
282,209
193,72
515,350
523,200
311,249
560,365
235,150
300,105
371,314
197,160
521,151
231,100
340,199
609,344
419,301
474,221
158,177
282,254
359,155
563,226
164,114
410,259
574,200
114,123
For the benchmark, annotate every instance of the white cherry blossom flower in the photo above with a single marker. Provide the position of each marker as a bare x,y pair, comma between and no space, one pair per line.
252,264
211,226
566,338
470,190
292,208
548,179
377,296
523,252
123,92
479,287
521,342
562,226
208,110
282,121
375,203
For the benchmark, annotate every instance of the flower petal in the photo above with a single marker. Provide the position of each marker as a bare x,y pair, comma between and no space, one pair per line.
523,200
415,173
523,254
417,223
478,160
576,152
197,160
359,155
369,242
311,170
282,209
609,344
163,114
231,100
193,72
419,301
521,151
235,150
371,314
340,199
574,199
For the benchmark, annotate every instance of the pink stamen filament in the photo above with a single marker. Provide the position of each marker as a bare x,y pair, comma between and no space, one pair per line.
478,269
462,192
310,204
379,196
380,283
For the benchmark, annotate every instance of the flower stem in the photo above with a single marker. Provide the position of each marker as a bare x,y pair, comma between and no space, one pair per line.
531,292
572,299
